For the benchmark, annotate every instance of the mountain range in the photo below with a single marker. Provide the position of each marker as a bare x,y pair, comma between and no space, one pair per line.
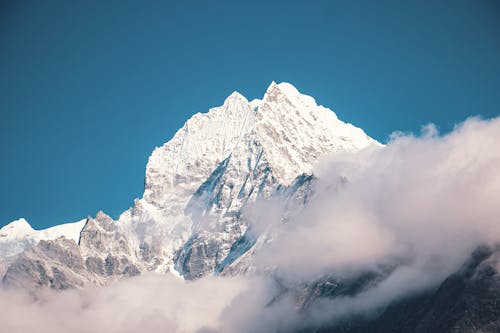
194,219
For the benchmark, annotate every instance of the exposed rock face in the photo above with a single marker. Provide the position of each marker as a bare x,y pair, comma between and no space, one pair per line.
56,264
105,249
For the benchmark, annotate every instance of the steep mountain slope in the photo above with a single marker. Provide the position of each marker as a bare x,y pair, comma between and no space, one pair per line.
197,185
467,301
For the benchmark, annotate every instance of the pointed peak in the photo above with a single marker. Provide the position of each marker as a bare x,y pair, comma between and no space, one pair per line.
17,228
235,96
101,220
235,102
285,87
101,216
19,223
277,91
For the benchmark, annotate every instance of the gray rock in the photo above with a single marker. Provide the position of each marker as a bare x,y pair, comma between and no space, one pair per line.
55,264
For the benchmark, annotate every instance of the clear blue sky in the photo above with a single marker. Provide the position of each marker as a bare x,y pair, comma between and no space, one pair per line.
89,88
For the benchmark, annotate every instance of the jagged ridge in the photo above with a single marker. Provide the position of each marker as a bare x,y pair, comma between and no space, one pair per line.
190,219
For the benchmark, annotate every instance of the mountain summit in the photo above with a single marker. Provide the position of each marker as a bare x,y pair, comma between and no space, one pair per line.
190,218
289,128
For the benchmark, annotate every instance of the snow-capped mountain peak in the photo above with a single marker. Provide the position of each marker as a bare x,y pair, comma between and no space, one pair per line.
295,131
291,128
235,96
195,150
220,160
16,229
286,91
15,236
198,183
21,228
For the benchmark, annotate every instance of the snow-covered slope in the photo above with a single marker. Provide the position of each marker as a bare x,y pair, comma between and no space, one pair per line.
291,128
15,236
198,183
295,132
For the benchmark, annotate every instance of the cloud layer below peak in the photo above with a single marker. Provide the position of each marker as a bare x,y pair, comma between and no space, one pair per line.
420,204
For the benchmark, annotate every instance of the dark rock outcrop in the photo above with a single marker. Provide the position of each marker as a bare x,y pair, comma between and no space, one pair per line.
467,301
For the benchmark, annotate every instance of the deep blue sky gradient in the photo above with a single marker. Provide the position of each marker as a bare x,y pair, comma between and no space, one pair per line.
89,88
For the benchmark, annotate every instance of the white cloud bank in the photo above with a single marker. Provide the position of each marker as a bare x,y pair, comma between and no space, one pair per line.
430,198
149,303
424,201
